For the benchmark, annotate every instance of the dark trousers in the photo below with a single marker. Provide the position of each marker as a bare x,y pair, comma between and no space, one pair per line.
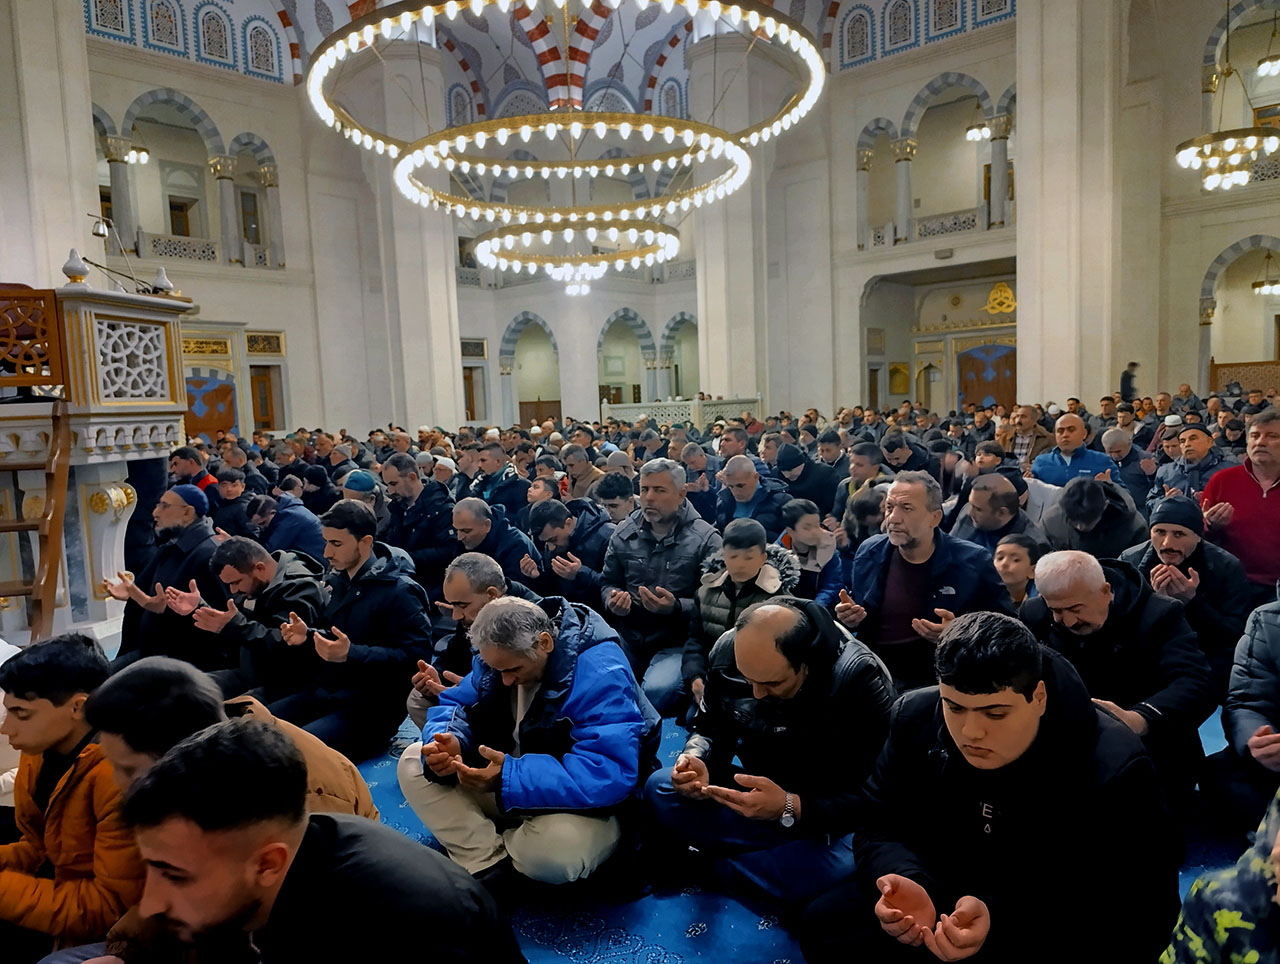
345,720
753,856
1236,793
840,927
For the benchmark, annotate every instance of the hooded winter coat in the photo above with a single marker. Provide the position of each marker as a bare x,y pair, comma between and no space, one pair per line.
589,738
846,696
176,562
1120,527
928,814
1218,610
1145,659
452,652
1190,478
294,527
1230,915
588,543
265,659
1253,696
508,488
821,569
384,612
76,867
506,544
771,495
817,483
920,460
720,602
425,531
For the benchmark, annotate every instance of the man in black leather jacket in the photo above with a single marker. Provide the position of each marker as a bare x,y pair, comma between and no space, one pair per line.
805,707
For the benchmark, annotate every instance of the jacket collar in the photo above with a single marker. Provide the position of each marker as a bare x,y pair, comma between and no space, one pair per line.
767,580
194,534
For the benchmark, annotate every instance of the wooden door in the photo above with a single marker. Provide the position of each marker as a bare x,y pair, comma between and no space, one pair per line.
611,394
264,405
469,391
987,375
873,387
540,411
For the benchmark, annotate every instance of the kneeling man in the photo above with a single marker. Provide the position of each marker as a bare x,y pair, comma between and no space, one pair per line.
524,763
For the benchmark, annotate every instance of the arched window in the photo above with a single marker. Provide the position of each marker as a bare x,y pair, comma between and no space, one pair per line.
671,99
163,26
215,38
899,25
945,15
993,8
857,37
109,15
262,51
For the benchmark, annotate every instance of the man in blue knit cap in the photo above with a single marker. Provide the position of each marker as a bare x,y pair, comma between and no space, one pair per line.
184,542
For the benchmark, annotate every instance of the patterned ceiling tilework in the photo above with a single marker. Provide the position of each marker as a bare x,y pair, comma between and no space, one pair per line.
857,32
257,38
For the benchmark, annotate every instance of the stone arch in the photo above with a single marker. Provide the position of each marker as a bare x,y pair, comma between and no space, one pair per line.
660,53
102,122
629,317
929,93
881,125
185,106
547,50
667,343
507,348
479,93
1008,100
1228,256
502,183
1227,22
255,145
580,45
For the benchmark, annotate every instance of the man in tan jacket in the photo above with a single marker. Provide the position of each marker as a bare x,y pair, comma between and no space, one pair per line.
583,475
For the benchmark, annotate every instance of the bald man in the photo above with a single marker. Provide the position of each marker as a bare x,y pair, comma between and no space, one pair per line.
1070,458
746,495
994,513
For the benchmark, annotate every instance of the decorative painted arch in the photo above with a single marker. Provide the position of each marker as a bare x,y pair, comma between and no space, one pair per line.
580,44
651,75
102,122
1229,256
547,51
291,38
1007,100
881,125
1226,23
185,106
478,93
929,94
507,349
629,317
255,145
667,344
829,25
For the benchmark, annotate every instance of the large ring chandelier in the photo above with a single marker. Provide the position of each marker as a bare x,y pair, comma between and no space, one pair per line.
655,143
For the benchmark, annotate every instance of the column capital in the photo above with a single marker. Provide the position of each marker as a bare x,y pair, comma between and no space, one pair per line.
222,166
505,368
1209,78
865,155
268,175
1207,306
1001,127
904,149
117,148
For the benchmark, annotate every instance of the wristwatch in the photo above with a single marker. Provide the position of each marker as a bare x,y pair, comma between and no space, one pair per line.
788,818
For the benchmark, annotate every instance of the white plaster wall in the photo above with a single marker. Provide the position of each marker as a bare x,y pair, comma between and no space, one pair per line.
947,172
537,372
1244,327
620,342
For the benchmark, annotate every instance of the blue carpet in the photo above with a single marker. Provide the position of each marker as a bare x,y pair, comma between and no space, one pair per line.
670,927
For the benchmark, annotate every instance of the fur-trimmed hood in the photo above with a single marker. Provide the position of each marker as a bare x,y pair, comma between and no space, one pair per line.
780,574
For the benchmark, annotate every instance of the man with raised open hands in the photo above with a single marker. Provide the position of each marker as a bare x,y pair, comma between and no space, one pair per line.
1001,796
372,633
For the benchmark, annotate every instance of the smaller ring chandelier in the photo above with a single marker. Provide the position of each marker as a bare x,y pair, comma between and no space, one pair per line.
1266,285
574,243
1224,159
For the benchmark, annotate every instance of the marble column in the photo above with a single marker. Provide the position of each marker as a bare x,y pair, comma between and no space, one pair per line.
904,150
664,378
650,378
269,178
117,151
998,211
505,375
223,167
862,197
1069,82
47,162
1207,308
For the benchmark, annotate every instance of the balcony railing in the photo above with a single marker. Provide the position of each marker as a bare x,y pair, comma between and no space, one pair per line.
953,222
468,277
175,246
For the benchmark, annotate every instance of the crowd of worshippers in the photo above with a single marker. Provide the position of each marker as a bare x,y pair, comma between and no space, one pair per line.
942,677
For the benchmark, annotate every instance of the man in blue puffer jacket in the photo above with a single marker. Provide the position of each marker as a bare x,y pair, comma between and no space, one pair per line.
547,737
